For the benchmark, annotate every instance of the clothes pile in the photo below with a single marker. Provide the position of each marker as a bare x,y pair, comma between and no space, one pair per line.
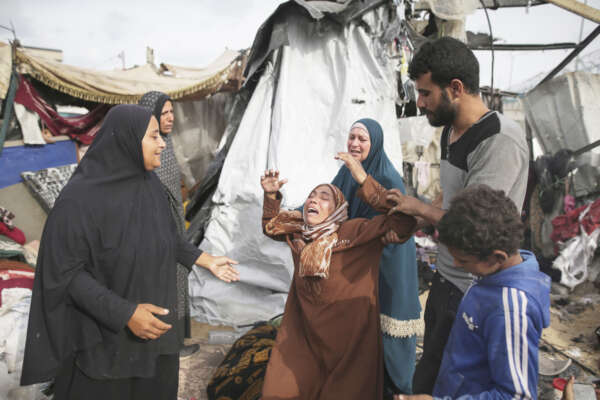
17,261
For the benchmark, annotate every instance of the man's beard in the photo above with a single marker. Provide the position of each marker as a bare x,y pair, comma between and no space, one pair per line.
443,115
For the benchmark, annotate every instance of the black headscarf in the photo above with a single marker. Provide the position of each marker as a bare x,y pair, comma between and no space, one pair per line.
111,225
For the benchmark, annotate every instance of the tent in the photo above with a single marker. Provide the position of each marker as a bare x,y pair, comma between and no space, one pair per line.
308,81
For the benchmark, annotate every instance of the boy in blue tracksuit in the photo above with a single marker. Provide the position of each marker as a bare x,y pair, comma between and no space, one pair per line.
492,351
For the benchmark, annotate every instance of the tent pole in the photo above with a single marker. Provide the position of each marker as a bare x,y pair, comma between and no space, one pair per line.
572,55
8,106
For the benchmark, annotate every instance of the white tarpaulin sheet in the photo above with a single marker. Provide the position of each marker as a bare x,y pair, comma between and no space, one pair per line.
299,115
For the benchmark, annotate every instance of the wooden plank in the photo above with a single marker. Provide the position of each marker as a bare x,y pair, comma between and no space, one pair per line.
579,8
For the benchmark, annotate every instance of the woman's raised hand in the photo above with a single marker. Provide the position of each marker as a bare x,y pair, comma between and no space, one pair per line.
355,166
270,181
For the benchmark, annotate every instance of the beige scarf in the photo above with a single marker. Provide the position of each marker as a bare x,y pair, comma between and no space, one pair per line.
316,241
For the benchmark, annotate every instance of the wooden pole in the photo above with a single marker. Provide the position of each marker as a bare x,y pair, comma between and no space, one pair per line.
583,10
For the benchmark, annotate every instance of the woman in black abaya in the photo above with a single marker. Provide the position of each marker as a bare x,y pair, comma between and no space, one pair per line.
103,312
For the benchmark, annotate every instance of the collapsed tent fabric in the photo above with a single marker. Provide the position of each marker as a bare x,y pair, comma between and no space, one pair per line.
81,128
564,114
322,79
17,159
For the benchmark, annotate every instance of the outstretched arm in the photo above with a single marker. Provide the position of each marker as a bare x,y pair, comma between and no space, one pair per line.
372,193
430,213
221,267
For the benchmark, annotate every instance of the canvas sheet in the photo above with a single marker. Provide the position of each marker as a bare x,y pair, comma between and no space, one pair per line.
127,86
298,118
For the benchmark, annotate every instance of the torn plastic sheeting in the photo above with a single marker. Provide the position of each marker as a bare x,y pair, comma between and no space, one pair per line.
197,132
574,259
295,122
452,9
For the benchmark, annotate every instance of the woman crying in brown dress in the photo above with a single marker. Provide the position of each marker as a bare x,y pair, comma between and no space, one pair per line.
329,344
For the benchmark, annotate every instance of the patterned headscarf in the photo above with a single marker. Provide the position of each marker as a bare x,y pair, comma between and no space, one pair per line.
313,242
169,171
155,102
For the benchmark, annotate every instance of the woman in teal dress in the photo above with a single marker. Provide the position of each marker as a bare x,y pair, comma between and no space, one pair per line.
398,280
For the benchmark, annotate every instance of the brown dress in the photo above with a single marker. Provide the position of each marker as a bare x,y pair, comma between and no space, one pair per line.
329,344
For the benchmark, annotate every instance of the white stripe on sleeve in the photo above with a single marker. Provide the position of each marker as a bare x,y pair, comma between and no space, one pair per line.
509,349
525,350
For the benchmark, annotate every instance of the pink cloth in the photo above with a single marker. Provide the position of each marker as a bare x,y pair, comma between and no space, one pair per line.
82,128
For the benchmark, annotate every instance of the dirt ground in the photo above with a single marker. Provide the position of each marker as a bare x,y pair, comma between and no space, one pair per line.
196,370
574,318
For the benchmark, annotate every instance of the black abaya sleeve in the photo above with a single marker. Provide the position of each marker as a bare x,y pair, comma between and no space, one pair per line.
100,302
187,253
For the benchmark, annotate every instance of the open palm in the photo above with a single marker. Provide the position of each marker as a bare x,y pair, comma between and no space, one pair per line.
270,181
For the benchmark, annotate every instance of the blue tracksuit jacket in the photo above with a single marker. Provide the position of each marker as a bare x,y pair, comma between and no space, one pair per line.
492,351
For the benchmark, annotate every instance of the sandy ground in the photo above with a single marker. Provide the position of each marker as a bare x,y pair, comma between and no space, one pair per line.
196,370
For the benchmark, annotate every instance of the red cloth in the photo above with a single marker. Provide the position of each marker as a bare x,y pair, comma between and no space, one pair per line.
15,233
82,129
26,283
566,226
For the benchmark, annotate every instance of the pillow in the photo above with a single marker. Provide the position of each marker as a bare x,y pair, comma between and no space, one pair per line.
46,184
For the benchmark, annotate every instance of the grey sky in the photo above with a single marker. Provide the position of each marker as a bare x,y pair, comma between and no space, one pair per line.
194,32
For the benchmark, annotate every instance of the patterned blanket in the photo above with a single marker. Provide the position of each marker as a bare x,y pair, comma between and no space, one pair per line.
46,184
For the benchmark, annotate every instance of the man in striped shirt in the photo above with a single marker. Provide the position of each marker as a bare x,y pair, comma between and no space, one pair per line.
492,351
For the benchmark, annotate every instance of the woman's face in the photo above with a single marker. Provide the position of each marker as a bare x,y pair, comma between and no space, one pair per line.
152,146
359,144
319,205
166,118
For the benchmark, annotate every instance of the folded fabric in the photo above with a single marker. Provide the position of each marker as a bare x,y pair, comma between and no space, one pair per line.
11,249
15,233
6,264
17,282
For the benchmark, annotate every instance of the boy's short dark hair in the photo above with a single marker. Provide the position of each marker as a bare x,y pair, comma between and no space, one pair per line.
481,220
446,58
